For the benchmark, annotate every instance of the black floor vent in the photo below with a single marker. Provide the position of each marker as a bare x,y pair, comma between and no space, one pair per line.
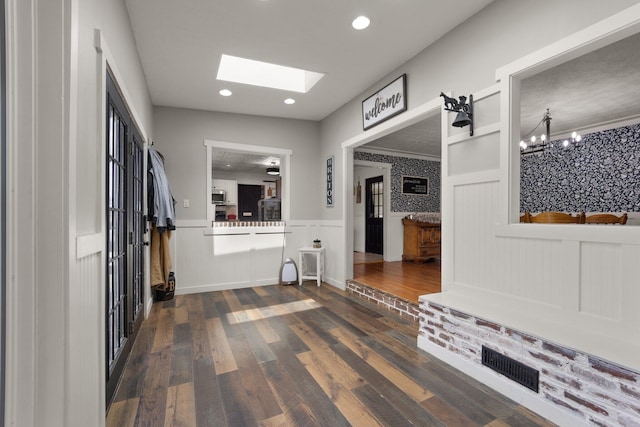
510,368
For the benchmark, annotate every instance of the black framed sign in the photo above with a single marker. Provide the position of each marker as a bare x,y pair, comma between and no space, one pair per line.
415,185
389,101
329,188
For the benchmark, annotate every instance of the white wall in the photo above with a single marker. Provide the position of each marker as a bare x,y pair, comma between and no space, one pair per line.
180,134
575,287
55,320
466,59
55,299
463,61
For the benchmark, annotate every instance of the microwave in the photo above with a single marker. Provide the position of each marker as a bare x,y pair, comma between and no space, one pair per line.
219,197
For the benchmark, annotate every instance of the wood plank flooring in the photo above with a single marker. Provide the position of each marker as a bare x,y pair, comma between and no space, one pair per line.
404,279
294,356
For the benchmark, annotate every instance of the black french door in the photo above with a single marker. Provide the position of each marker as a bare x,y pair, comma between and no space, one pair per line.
125,235
374,214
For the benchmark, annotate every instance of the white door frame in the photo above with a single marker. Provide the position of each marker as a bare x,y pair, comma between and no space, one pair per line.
415,115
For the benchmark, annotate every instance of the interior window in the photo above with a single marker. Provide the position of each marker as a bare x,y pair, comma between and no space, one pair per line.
580,136
246,183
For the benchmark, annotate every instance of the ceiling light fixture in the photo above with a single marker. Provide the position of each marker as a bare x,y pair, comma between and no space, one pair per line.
258,73
225,92
273,169
289,101
535,144
360,23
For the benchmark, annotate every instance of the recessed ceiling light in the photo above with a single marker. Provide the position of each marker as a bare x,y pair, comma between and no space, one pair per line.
360,23
225,92
257,73
289,101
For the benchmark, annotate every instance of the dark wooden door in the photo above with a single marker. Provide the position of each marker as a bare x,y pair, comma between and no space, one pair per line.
248,197
374,228
125,226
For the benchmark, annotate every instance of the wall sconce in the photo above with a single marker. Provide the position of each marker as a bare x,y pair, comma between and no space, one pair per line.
464,110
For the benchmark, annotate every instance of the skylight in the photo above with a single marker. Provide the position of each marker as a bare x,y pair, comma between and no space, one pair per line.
256,73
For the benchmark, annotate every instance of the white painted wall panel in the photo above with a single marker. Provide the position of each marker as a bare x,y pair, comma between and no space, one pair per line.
601,279
474,246
248,257
478,154
266,257
335,255
526,268
87,294
531,269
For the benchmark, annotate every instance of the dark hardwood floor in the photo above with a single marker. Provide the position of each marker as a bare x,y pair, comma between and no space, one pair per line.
403,279
294,356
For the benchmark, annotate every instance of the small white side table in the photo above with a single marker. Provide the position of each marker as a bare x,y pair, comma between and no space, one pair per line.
306,266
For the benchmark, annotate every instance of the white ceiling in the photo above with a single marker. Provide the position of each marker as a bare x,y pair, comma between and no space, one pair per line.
180,43
225,161
594,91
420,138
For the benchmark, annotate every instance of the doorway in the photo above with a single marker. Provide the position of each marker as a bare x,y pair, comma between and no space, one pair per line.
125,227
411,150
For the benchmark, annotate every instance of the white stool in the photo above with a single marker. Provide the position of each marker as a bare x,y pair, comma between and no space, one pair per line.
306,272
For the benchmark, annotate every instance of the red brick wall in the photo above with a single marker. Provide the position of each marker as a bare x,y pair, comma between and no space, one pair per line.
391,302
596,391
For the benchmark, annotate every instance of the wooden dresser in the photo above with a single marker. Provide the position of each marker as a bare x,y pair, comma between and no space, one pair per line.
421,240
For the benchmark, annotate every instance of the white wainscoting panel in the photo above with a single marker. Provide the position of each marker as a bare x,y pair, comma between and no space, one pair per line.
531,269
206,261
335,256
478,154
86,323
266,257
474,245
601,279
526,268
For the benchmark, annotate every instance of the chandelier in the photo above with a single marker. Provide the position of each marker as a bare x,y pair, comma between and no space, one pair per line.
531,143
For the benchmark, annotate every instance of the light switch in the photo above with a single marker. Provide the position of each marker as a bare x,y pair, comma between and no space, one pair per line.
185,203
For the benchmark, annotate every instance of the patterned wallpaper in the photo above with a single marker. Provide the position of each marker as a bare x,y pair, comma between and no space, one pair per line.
403,166
599,174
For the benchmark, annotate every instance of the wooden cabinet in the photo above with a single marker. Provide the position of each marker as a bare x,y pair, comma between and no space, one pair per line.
421,240
228,185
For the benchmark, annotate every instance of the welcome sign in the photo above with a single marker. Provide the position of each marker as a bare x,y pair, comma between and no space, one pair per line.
389,101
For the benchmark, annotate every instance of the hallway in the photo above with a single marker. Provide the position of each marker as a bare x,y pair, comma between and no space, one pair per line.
290,356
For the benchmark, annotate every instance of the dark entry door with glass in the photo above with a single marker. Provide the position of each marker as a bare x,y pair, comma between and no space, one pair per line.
125,227
374,229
